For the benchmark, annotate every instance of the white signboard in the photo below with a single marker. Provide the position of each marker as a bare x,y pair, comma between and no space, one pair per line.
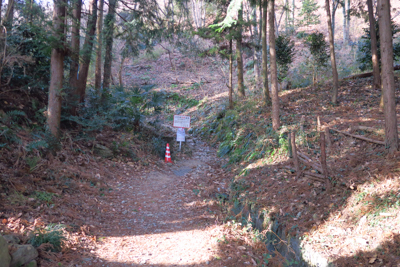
180,135
181,121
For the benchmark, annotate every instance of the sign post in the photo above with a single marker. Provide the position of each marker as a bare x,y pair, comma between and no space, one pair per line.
181,122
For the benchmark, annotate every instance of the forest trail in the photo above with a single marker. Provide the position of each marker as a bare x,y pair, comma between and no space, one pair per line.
157,219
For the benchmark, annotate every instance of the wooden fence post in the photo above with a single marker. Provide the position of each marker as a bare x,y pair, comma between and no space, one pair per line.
290,145
294,153
323,155
328,138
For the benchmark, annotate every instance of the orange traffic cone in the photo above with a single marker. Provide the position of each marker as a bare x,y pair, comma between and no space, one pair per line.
168,155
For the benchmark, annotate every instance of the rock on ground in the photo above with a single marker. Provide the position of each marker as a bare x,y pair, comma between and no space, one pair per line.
4,256
22,255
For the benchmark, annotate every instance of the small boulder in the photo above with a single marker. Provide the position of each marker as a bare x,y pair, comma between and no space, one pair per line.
5,258
23,254
11,239
103,151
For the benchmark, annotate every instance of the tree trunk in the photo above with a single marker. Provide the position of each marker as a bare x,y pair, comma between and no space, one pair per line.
260,20
57,69
108,40
30,11
344,23
75,46
333,18
9,17
274,70
267,98
230,75
386,41
293,8
97,79
1,8
239,58
333,57
121,66
255,49
374,47
335,4
87,50
276,27
286,15
348,20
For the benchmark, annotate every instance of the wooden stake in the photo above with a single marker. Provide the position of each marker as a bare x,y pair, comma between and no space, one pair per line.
318,124
323,155
328,138
302,121
294,152
290,145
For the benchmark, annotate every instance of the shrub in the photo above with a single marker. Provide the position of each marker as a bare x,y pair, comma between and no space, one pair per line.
364,54
319,53
53,234
123,108
284,55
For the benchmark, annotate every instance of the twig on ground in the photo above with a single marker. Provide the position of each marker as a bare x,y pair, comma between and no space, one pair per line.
360,137
306,175
308,162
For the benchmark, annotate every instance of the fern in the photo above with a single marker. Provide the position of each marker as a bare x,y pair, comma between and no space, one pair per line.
43,141
8,135
14,116
33,163
37,145
121,109
15,113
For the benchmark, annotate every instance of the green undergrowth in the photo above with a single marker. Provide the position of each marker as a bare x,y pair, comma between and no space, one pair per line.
177,104
53,235
243,135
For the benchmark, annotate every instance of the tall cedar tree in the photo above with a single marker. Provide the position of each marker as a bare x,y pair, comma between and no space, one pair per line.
99,48
109,23
344,22
333,56
57,68
274,70
348,20
374,46
239,57
256,45
75,47
386,39
267,98
230,75
87,50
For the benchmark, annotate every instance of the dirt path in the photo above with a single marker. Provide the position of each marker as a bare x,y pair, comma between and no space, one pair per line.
157,219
